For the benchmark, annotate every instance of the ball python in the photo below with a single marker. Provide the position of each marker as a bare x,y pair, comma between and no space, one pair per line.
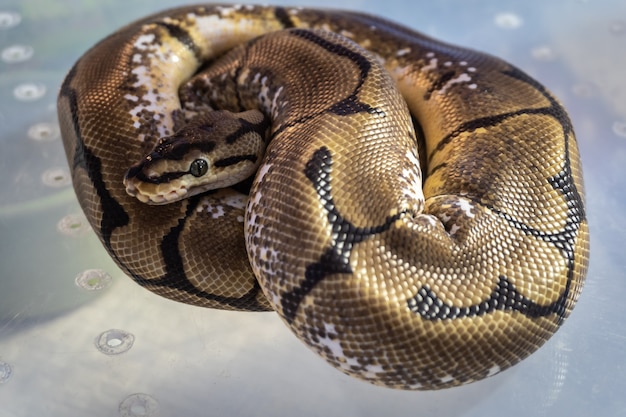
412,210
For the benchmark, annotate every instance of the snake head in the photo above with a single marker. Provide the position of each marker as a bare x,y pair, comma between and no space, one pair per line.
215,150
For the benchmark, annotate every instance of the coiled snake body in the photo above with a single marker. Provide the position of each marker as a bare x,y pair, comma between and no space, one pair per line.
405,277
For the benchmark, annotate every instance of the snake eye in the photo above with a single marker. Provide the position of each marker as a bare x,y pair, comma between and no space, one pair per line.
199,167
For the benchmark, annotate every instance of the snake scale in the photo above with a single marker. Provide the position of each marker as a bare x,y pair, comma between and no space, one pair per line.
413,211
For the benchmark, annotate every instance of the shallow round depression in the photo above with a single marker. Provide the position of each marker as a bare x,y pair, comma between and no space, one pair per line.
114,341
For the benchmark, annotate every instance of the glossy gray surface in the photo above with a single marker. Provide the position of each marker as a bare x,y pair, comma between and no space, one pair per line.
76,342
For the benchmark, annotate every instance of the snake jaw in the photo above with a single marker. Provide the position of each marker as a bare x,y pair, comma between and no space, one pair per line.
153,196
144,182
167,198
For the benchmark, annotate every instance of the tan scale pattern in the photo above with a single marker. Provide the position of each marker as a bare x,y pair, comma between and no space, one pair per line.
397,283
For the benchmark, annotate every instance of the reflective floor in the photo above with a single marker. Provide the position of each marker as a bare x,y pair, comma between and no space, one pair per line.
79,338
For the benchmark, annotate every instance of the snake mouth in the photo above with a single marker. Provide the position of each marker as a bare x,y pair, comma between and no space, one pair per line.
154,196
160,199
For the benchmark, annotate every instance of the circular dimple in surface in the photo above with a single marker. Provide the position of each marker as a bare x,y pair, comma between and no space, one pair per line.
17,53
29,91
44,132
5,372
619,128
74,225
542,53
507,20
136,405
93,280
56,177
617,27
9,19
114,341
583,90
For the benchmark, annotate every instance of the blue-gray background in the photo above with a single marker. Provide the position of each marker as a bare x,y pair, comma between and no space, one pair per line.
188,361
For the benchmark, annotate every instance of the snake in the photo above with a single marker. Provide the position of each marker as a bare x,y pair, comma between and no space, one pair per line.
413,210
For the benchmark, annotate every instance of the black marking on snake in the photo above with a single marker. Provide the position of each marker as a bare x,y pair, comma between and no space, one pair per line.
558,110
336,258
441,165
554,110
283,17
439,83
69,92
175,276
237,76
486,122
178,146
171,148
246,127
351,104
505,296
161,179
233,160
182,35
347,106
565,239
113,214
564,183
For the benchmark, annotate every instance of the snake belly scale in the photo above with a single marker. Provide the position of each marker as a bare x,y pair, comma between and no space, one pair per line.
417,214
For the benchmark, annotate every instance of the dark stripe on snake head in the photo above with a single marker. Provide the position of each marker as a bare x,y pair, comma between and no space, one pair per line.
336,258
161,179
247,127
171,148
137,171
233,160
177,149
